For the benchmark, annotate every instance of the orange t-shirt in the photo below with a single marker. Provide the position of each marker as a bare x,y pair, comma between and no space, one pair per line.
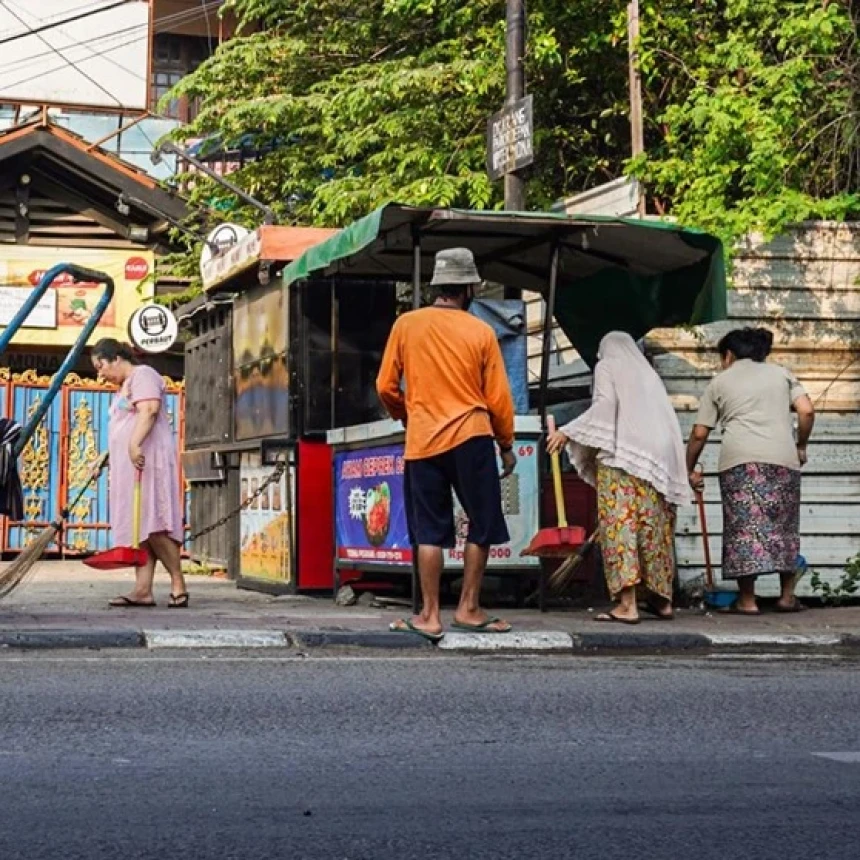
456,386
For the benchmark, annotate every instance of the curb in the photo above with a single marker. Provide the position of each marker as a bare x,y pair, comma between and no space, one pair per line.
526,642
95,639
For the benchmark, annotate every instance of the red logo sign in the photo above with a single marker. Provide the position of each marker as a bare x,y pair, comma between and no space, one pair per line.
136,269
63,279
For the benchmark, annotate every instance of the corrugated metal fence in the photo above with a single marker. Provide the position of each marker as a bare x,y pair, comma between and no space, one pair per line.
56,463
805,287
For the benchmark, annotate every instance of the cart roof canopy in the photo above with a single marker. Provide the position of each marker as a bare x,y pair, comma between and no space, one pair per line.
614,273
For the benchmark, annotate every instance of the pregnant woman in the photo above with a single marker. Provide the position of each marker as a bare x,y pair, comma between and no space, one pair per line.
140,438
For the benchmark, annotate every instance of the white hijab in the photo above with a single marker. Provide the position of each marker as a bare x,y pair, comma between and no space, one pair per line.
631,424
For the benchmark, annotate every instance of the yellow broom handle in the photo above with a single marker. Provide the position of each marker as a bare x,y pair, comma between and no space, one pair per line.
135,526
556,479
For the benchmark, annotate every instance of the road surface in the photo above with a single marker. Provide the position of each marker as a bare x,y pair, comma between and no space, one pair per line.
218,756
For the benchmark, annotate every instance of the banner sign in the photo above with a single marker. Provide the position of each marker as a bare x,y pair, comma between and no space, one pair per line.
371,509
370,506
68,305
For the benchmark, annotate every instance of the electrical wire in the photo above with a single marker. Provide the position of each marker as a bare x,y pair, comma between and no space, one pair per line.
33,31
97,55
62,56
177,18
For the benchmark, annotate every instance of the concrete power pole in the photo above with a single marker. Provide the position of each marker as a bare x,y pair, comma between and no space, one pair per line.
515,51
515,86
637,132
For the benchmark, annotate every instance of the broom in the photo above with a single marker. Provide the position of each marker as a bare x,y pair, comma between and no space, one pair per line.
16,572
562,577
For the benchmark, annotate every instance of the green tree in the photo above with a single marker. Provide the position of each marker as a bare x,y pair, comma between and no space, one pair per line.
755,112
751,106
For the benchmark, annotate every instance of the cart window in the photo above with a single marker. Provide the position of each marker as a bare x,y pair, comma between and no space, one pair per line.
347,326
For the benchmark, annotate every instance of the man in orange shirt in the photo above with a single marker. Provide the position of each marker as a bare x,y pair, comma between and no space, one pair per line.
457,400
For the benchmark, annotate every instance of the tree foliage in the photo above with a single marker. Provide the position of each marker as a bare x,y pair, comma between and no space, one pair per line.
751,106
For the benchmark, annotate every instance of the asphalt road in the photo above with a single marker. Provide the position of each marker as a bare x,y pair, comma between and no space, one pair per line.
145,757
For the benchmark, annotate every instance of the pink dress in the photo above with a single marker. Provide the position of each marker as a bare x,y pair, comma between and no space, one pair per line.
161,508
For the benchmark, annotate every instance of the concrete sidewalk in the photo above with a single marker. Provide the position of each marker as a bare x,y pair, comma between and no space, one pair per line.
64,604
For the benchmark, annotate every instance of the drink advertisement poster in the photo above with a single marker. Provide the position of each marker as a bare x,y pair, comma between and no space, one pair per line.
266,524
371,510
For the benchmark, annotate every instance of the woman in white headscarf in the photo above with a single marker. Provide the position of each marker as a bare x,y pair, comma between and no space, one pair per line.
628,446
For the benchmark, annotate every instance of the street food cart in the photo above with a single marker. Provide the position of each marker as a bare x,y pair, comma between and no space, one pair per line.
305,348
596,274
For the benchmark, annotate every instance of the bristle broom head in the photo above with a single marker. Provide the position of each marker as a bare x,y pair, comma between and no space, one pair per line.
16,572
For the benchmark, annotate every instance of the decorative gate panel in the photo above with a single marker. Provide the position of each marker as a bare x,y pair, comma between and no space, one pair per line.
41,466
56,463
87,416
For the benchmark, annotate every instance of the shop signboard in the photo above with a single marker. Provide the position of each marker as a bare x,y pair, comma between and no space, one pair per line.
371,509
370,516
266,524
68,305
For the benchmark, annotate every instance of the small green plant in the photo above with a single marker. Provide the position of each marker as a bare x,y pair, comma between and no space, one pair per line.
846,589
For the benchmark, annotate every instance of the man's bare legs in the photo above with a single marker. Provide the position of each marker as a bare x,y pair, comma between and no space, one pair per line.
469,611
430,563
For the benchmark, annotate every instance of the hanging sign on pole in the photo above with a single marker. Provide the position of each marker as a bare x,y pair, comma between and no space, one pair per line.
510,139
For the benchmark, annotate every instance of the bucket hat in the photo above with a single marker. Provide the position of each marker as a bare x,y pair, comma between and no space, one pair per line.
455,266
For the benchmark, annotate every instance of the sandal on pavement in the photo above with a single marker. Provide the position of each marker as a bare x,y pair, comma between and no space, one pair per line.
611,617
734,610
123,601
655,612
484,626
795,606
406,625
178,601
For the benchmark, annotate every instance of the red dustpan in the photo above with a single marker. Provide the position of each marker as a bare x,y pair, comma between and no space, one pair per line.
564,540
124,556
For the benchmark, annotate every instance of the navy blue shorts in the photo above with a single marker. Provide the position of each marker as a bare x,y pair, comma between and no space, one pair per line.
472,472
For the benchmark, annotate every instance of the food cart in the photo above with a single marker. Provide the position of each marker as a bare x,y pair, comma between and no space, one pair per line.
305,346
597,274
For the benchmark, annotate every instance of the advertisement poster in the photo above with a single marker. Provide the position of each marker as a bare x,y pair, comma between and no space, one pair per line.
260,375
266,525
68,306
520,504
371,511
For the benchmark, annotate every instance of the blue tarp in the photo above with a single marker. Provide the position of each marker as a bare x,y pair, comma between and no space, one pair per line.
507,318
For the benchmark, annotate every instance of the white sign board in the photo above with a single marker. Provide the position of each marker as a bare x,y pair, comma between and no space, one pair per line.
92,53
44,315
223,237
153,328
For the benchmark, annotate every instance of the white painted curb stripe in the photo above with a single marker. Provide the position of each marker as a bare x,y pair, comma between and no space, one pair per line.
456,641
773,639
215,639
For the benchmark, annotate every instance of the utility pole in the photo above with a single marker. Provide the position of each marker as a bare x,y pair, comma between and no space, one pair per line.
515,89
637,133
515,51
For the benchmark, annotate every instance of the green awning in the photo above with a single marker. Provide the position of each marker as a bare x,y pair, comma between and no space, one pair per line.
614,273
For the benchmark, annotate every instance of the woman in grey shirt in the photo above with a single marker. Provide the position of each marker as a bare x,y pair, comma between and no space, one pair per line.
760,463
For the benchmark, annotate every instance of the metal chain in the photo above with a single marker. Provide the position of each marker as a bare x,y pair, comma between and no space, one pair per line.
276,476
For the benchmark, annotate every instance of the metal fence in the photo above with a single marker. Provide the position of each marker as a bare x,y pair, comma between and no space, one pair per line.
56,462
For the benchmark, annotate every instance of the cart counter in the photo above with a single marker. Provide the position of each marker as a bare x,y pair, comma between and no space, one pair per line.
370,508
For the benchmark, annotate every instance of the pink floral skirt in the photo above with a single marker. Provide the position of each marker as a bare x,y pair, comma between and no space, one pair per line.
761,519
